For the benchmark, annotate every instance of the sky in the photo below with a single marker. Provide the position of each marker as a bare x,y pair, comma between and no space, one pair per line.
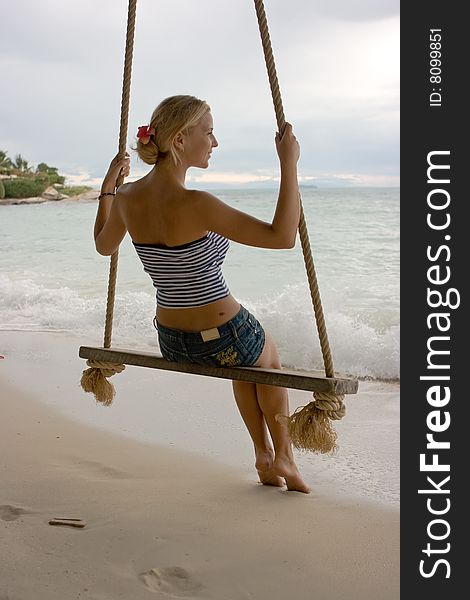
61,65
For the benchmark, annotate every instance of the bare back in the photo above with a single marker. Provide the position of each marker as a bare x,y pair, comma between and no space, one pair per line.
155,213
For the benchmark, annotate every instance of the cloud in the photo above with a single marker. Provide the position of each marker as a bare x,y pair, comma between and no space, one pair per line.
337,61
344,10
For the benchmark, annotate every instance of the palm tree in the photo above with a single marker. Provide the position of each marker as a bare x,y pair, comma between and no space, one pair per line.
5,162
21,164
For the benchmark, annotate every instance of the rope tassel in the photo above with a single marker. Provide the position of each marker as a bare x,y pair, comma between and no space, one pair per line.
310,426
95,380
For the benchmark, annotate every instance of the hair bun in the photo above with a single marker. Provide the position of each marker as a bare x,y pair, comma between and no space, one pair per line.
148,152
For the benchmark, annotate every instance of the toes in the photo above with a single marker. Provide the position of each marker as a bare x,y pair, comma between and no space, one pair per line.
298,486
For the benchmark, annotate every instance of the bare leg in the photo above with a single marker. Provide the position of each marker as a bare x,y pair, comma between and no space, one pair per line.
274,400
247,402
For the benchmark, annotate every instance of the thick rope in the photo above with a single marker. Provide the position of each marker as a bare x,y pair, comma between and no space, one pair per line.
297,424
125,101
94,379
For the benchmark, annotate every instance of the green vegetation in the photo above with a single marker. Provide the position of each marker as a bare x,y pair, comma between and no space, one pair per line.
23,188
73,190
19,180
5,162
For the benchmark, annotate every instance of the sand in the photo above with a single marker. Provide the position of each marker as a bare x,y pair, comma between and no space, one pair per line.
178,513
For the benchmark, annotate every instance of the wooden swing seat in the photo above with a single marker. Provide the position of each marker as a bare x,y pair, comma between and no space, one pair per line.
311,381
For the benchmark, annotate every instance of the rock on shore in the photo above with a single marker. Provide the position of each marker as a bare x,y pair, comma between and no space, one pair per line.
51,195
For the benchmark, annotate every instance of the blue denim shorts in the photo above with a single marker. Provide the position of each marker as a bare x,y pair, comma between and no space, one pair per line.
239,342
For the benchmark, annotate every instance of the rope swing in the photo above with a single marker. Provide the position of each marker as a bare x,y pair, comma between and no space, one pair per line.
310,427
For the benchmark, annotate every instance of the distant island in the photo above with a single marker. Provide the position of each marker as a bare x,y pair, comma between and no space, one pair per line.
22,184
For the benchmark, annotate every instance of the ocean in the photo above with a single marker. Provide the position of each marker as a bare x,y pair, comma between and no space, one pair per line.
52,279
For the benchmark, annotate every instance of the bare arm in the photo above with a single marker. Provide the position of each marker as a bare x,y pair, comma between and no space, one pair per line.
110,228
213,214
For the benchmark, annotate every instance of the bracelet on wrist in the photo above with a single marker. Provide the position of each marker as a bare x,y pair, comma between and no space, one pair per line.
106,194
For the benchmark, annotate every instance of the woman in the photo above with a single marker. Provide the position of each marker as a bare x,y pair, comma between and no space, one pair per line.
181,237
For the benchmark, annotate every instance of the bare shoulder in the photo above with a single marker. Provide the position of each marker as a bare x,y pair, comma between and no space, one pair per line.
126,190
200,195
204,200
126,196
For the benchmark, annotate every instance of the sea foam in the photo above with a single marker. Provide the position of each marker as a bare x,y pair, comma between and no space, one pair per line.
358,348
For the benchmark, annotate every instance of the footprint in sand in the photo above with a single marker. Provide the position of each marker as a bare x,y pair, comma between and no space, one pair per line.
91,469
11,513
173,581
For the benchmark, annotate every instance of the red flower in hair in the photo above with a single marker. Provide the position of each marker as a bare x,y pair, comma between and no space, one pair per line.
144,133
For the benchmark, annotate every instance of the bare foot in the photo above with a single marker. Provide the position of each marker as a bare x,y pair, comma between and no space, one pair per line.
264,466
284,467
270,478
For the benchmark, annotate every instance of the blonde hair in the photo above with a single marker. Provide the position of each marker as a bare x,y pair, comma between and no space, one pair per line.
176,114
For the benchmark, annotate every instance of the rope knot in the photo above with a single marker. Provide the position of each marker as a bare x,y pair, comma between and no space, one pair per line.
95,380
108,369
332,404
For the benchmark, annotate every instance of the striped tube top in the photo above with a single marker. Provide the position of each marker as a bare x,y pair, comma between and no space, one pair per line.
189,275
